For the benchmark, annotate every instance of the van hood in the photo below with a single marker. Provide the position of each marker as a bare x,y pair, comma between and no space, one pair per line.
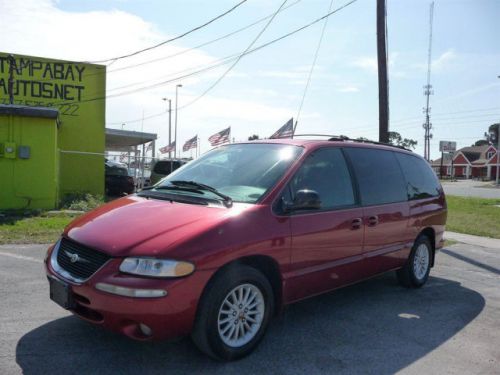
126,226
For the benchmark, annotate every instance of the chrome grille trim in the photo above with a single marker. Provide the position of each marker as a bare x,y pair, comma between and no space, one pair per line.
66,274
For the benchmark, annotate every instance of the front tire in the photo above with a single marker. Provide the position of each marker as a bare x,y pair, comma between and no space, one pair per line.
234,313
416,270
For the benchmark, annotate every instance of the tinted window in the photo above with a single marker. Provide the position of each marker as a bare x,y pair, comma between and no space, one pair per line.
325,171
420,179
116,171
379,176
166,167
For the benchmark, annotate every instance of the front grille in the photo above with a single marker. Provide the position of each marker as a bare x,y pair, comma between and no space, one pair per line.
78,260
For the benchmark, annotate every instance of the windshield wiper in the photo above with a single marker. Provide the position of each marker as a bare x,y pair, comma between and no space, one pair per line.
228,201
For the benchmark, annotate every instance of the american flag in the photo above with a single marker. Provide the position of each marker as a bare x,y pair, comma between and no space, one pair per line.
220,137
169,148
286,131
191,143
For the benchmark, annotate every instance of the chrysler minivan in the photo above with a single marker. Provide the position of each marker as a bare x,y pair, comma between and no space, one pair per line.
221,245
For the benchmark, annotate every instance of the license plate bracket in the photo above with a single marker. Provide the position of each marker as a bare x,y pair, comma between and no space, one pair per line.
60,293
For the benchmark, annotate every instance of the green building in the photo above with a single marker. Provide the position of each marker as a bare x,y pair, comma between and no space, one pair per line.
52,138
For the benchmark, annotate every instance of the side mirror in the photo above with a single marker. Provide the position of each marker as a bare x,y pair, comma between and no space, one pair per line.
304,200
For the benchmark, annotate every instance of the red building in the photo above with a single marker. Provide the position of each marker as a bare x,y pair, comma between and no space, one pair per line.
469,162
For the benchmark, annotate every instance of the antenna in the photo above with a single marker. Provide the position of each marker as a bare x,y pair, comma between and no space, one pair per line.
428,91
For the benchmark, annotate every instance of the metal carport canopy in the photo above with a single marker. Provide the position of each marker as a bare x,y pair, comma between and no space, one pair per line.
125,140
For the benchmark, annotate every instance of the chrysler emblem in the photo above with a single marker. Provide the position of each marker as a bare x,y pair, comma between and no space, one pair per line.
73,258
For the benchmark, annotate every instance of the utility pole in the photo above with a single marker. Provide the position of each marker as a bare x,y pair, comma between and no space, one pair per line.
169,124
383,90
428,91
175,131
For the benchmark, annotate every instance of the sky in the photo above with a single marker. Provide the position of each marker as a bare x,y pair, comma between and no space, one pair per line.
264,89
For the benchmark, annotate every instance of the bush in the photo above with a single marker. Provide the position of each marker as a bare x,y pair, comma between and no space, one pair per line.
82,201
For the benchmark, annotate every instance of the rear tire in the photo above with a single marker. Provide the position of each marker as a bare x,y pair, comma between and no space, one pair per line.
234,313
416,270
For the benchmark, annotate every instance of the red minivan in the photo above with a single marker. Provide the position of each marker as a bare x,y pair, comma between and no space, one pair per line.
224,243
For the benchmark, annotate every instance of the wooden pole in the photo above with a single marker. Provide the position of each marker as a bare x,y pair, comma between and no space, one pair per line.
383,91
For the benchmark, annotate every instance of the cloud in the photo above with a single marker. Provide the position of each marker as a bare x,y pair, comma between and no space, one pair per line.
42,29
367,63
444,59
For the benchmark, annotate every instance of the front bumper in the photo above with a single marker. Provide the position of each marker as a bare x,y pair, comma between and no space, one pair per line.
167,317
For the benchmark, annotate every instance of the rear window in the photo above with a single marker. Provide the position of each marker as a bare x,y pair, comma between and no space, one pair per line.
421,181
116,171
379,176
166,167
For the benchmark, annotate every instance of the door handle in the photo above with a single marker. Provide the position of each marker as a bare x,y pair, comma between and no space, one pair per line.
356,223
372,221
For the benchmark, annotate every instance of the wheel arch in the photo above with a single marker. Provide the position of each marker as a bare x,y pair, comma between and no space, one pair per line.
267,265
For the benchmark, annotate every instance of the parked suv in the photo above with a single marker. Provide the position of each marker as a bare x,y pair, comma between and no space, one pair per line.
164,167
221,245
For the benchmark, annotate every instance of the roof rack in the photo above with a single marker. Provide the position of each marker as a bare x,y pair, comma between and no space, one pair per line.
343,138
337,137
372,142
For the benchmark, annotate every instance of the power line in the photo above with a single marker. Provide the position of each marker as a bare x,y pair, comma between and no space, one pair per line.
202,44
113,59
214,66
226,72
316,53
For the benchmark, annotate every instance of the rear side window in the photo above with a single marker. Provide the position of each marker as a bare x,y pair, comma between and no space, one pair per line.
420,179
379,176
325,171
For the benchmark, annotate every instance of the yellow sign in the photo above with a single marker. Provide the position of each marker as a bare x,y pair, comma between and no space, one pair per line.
77,90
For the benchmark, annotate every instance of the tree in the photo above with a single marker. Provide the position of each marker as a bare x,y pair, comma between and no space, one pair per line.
481,142
396,140
253,137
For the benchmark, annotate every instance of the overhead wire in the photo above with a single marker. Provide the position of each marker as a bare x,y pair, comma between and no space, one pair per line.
204,44
212,67
226,72
316,53
113,59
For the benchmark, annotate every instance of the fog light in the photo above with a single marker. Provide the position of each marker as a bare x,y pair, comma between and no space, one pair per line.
131,292
145,329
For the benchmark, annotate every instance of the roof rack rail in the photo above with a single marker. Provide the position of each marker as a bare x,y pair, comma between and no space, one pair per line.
321,135
375,143
343,138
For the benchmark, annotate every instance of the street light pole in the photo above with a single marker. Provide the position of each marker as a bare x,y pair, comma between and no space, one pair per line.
175,131
169,124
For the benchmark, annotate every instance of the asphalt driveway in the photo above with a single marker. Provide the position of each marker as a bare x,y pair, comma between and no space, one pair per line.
449,326
471,188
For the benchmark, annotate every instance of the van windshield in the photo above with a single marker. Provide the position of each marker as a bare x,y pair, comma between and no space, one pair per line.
244,172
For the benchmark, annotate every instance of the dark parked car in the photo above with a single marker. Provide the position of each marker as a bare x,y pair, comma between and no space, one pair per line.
118,180
221,245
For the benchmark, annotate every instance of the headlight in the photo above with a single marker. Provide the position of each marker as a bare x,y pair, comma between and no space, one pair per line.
156,267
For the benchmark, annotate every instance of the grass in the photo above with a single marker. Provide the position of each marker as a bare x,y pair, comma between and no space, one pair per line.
478,216
32,229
